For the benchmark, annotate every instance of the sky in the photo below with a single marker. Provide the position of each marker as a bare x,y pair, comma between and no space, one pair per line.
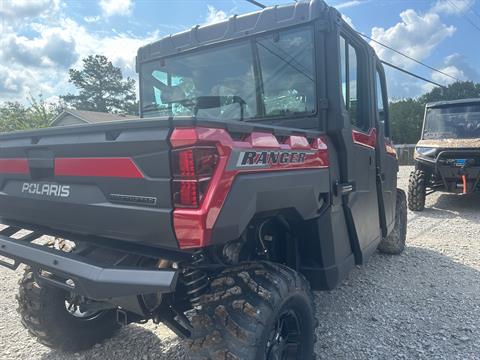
41,39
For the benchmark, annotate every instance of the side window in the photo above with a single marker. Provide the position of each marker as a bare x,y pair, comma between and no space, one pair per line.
352,100
351,75
381,106
343,73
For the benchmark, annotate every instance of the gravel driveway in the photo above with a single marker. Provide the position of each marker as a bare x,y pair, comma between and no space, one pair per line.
422,304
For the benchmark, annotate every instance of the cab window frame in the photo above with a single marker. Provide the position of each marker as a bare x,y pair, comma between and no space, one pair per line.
362,88
379,71
308,121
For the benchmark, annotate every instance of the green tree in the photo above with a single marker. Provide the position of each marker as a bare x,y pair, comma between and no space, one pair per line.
406,117
455,91
101,87
37,114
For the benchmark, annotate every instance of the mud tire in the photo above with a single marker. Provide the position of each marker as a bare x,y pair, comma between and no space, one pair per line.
242,307
394,243
417,187
44,315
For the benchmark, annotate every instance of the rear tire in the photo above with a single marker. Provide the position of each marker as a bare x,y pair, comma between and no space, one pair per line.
253,311
394,243
417,187
45,316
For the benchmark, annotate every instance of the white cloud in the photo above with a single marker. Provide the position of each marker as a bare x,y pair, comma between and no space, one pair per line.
349,4
52,48
10,82
452,6
461,62
18,9
457,66
214,15
39,63
116,7
415,35
451,70
92,19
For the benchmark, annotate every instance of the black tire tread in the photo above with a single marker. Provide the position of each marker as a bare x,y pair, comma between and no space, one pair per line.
394,243
45,320
237,308
417,185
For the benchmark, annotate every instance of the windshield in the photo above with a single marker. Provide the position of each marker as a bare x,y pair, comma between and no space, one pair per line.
453,122
270,76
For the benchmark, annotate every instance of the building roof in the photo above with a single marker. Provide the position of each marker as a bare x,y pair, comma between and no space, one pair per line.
91,117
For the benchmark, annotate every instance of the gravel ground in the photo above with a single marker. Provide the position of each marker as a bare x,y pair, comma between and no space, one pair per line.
424,304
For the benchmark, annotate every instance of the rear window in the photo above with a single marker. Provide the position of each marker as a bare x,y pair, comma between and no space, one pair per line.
269,76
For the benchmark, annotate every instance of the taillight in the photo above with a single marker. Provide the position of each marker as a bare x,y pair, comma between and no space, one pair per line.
193,169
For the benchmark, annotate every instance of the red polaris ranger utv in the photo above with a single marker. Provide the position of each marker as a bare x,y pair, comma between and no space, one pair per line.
261,167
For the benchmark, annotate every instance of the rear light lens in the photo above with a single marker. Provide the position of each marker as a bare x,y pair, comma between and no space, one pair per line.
193,169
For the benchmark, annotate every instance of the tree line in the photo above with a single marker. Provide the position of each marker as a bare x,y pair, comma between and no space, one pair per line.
101,87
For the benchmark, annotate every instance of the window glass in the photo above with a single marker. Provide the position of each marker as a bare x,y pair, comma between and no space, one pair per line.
215,83
380,104
350,76
343,68
352,86
287,67
455,121
227,81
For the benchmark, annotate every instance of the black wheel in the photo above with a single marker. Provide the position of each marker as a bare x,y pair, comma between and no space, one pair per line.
56,323
255,311
394,243
417,186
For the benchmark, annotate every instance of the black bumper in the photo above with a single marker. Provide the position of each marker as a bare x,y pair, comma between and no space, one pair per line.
75,273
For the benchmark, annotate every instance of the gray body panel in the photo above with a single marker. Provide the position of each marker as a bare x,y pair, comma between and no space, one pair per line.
90,280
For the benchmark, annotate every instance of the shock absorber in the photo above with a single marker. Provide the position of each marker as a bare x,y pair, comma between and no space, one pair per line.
194,280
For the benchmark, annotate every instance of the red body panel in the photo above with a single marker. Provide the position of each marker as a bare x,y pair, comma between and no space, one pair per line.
365,139
100,167
112,167
193,227
14,166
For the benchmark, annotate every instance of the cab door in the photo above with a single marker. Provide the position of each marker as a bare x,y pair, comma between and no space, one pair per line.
360,136
387,162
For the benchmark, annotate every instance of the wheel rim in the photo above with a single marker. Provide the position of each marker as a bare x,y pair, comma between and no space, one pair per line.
74,310
285,339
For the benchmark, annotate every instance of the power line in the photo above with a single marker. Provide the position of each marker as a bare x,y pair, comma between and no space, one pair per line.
408,57
260,5
464,16
475,12
411,74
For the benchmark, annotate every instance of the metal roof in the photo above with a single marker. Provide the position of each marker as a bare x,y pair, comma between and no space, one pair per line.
453,102
237,26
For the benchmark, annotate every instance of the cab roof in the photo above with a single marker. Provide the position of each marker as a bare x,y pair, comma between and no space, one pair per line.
453,102
237,26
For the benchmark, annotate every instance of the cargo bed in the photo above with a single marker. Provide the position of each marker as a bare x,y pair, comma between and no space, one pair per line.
110,180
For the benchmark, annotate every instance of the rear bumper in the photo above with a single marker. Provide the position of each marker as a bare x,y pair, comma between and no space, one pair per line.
75,273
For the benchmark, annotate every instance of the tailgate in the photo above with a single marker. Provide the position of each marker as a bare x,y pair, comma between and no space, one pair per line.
110,180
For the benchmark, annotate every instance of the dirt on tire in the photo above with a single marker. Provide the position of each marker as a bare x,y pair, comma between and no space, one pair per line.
239,311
